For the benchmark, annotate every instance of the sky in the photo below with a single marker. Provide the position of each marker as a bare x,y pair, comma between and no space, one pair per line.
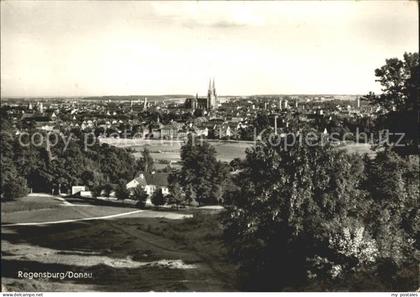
93,48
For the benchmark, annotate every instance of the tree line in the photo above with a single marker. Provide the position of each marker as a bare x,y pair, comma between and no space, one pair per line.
54,169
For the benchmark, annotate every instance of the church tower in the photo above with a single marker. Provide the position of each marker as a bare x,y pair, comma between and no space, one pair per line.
211,95
194,102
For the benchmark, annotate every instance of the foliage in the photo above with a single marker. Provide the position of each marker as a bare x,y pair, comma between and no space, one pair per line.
108,188
393,184
158,198
14,188
121,192
261,122
311,214
202,171
176,196
190,196
13,185
399,81
67,163
286,202
399,98
96,191
236,164
147,161
140,195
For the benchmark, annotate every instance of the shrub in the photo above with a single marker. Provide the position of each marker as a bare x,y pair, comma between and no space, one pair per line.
108,188
140,195
96,191
122,192
158,198
15,188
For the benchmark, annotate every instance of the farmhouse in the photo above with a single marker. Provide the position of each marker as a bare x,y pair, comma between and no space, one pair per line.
150,182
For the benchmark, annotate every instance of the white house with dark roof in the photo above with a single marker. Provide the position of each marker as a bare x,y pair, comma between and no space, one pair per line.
150,182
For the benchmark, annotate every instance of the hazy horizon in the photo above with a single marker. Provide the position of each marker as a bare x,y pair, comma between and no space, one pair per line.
88,48
182,95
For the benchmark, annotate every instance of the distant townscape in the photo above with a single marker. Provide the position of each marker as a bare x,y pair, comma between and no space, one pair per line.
187,184
223,165
174,117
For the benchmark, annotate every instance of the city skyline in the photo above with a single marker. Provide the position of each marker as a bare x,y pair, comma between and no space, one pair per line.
68,49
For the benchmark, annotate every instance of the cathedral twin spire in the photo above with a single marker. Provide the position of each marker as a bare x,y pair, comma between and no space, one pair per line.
212,86
212,96
208,103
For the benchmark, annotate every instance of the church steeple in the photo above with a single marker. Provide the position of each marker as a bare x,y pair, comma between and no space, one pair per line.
214,88
211,95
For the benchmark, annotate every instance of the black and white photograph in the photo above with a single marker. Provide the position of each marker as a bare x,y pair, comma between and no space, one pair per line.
210,146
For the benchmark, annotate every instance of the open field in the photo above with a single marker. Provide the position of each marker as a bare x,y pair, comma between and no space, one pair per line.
141,251
359,148
165,151
170,151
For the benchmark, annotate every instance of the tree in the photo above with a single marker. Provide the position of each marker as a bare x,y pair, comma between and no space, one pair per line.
139,165
217,194
400,91
96,190
8,171
116,163
108,188
148,161
261,122
14,188
40,180
202,171
393,184
66,163
236,164
121,192
158,198
198,113
399,81
190,196
140,195
176,196
88,178
289,204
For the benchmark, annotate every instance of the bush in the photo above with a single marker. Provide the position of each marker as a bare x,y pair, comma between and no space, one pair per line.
194,203
122,192
96,191
108,188
140,195
15,188
158,198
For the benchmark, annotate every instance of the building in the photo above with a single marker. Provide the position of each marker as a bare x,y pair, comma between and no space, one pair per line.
204,103
150,183
170,131
212,96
